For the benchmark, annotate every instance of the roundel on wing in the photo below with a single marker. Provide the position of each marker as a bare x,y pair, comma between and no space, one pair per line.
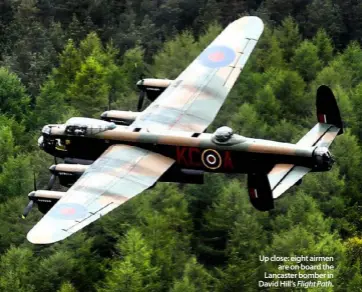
217,56
211,159
68,211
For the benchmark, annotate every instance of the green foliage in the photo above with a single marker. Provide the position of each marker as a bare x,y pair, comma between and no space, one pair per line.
327,15
16,170
13,99
89,92
52,271
267,105
351,59
175,56
270,43
195,278
124,277
348,155
246,239
247,122
289,87
324,46
16,270
90,70
67,287
12,228
7,147
350,271
306,61
356,101
289,37
135,271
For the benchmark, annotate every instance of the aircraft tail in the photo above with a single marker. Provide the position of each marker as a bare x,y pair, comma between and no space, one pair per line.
327,108
264,188
329,120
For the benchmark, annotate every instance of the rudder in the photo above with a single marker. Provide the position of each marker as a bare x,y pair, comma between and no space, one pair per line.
327,108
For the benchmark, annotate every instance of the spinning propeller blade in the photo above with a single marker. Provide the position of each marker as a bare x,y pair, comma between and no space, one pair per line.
31,202
34,183
27,209
141,99
51,182
52,177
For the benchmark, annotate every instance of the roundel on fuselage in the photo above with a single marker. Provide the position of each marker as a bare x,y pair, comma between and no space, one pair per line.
211,159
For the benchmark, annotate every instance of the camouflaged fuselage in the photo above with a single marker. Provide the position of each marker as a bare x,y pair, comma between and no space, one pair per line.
237,155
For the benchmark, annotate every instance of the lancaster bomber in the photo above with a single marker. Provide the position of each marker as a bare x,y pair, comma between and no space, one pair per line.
110,160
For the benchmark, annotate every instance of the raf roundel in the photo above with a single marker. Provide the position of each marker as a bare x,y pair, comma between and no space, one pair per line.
217,57
68,211
211,159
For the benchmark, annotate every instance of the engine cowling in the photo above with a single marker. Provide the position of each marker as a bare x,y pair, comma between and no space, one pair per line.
44,199
68,174
153,87
120,117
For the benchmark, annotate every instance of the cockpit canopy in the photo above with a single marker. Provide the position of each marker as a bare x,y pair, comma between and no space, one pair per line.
87,126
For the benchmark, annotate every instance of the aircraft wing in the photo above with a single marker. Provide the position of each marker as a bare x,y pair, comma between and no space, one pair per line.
284,176
119,174
193,100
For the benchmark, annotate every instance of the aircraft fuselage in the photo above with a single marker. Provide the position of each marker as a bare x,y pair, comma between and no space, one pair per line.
201,152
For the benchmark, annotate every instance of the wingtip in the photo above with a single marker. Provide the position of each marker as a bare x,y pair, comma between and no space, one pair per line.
36,237
254,19
254,24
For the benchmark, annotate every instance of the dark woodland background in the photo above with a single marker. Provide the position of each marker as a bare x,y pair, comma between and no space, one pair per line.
66,58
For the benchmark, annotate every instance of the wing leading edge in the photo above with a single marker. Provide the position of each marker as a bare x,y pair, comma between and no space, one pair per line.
195,97
119,174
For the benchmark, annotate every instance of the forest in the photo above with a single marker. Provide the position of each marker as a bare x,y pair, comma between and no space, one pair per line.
60,59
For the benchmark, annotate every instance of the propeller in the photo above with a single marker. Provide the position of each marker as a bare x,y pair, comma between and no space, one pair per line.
52,177
141,99
51,182
34,182
27,209
31,202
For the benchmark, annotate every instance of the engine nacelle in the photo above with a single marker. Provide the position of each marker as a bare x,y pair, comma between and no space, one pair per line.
68,174
120,117
44,199
153,87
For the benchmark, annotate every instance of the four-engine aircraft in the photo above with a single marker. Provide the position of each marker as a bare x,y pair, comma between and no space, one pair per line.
111,160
